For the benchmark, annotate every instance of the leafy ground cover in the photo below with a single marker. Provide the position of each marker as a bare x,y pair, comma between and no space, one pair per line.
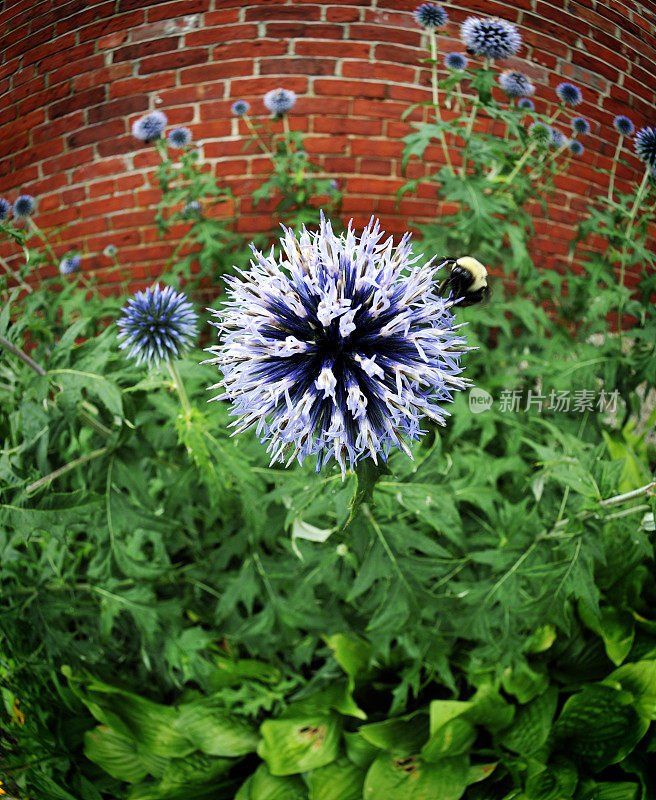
182,619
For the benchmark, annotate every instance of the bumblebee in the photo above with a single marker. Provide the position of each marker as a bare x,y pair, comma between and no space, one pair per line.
467,281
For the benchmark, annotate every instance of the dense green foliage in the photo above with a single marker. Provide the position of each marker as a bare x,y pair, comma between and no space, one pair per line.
179,620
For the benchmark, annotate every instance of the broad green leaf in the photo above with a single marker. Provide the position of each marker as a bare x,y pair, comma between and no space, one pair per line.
621,790
340,780
358,750
532,724
290,746
196,768
524,682
211,729
351,653
265,786
114,753
398,735
615,626
640,680
557,781
410,778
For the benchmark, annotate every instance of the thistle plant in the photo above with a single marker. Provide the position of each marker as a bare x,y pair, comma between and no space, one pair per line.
339,348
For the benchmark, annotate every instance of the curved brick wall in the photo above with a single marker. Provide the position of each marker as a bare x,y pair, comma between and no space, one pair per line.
74,76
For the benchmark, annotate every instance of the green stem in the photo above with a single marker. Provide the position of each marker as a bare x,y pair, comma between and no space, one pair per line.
23,356
554,155
559,111
625,250
436,104
35,228
521,162
67,468
613,168
15,275
256,136
177,380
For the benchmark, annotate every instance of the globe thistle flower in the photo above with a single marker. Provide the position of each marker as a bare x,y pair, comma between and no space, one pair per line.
192,209
5,208
575,147
580,125
110,251
24,206
540,133
430,15
515,84
279,101
455,61
557,138
339,349
69,264
569,94
334,186
157,325
623,125
645,147
240,107
149,127
490,37
526,104
179,137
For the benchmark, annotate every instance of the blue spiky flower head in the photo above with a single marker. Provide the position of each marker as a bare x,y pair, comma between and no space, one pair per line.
430,15
580,125
540,133
157,325
569,94
557,138
645,147
576,148
515,84
149,127
24,206
526,104
455,61
5,208
179,137
69,264
623,125
279,101
339,349
490,37
240,107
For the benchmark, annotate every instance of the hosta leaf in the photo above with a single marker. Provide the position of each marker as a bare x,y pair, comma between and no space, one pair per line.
340,780
211,729
114,753
640,680
296,745
410,778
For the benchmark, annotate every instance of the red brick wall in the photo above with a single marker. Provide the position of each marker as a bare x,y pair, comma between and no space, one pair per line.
75,75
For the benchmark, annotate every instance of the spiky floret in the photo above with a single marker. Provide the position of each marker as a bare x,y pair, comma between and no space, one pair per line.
490,37
540,133
580,125
569,94
455,61
430,15
557,138
623,125
279,101
5,208
576,148
515,84
240,107
526,104
645,146
179,137
24,206
69,264
157,325
339,349
149,127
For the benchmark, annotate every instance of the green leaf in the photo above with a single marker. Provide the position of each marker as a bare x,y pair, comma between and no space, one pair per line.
530,730
615,626
524,682
265,786
114,753
404,735
352,654
303,530
621,790
290,746
557,781
640,680
211,729
411,778
340,780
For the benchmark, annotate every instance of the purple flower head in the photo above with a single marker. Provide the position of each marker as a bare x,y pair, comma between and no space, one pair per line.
149,127
645,147
279,101
455,61
240,107
24,206
580,125
557,138
157,325
430,15
623,125
5,208
526,103
490,37
179,137
576,148
515,84
69,264
339,349
569,94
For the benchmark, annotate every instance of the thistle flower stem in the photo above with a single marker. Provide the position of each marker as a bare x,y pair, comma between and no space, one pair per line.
35,229
182,394
436,104
613,168
255,136
470,127
554,155
625,250
15,276
559,110
367,474
23,356
66,468
521,162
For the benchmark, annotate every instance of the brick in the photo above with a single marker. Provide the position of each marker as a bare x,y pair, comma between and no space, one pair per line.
116,109
111,40
170,61
224,16
134,52
343,14
332,49
383,33
383,72
97,168
101,76
180,8
299,30
80,16
79,100
349,88
120,22
140,86
405,55
229,33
